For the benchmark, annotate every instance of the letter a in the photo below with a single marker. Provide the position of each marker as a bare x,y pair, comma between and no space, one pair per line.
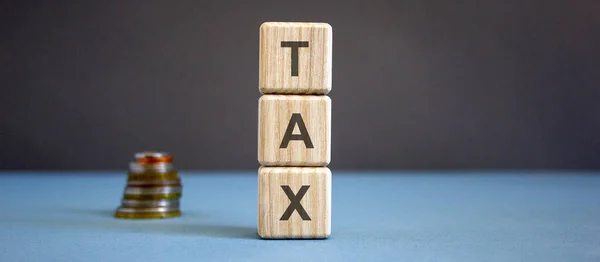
296,119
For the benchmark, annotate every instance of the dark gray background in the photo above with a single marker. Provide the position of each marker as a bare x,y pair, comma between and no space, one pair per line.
417,84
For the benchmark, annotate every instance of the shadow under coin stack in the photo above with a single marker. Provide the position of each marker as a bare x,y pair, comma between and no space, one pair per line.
153,188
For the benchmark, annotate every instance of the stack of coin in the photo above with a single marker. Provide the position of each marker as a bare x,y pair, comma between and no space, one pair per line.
153,188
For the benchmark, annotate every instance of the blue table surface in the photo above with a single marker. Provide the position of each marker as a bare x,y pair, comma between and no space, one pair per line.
68,216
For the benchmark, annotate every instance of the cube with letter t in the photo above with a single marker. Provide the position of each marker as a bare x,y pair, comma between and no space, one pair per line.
295,58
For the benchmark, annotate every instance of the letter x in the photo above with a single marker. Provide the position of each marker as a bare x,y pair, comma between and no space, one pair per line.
295,204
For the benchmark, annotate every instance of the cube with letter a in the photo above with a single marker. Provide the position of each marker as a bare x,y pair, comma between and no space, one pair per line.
294,130
294,202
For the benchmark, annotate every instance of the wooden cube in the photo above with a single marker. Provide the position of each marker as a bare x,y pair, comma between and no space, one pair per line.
294,130
295,58
294,202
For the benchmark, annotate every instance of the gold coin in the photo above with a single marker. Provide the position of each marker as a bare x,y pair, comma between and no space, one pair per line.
135,183
171,196
152,176
152,190
147,215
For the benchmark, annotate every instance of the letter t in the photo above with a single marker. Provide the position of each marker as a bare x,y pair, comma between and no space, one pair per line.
294,45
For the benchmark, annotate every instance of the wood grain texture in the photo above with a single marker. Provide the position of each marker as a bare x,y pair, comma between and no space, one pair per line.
275,113
273,202
314,61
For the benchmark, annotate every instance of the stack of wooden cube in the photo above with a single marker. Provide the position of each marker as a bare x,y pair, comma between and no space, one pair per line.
294,133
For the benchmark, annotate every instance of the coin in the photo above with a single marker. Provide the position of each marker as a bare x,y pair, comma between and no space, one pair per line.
173,196
152,190
131,203
138,168
152,176
141,213
174,182
150,157
151,154
147,215
147,209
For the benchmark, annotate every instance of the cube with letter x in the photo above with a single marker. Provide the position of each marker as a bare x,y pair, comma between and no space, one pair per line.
294,202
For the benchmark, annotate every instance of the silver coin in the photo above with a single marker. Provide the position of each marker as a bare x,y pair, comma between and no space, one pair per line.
152,190
136,168
151,154
154,183
147,210
149,203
